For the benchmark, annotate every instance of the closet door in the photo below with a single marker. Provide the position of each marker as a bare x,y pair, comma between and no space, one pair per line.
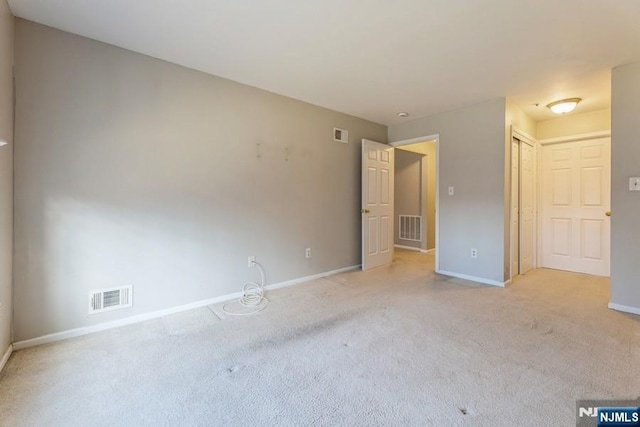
576,202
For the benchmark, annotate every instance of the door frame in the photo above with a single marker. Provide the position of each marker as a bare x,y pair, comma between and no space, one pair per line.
436,139
524,137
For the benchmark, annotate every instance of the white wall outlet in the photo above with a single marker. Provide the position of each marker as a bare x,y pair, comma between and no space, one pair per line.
474,253
634,184
307,253
251,261
451,191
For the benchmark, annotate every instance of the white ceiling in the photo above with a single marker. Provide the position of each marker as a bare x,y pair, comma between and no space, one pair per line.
373,58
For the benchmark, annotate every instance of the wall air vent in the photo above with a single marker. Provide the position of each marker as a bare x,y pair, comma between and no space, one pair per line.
340,135
410,228
108,299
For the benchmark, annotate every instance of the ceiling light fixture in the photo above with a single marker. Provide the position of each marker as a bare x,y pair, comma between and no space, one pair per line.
564,105
403,114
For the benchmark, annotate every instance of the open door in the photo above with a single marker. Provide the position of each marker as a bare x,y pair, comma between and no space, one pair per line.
377,204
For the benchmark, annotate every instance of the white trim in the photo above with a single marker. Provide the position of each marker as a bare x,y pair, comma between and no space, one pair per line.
522,136
427,138
424,200
418,140
472,278
410,248
310,278
428,251
624,308
5,358
72,333
579,137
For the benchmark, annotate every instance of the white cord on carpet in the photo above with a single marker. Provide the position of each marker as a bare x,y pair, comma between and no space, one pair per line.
253,296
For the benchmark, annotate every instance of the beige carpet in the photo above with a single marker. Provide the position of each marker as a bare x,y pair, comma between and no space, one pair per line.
399,345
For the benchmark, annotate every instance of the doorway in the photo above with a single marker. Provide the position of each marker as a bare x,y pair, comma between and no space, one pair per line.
414,221
416,213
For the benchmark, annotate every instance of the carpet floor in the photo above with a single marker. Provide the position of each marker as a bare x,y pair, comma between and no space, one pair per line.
396,346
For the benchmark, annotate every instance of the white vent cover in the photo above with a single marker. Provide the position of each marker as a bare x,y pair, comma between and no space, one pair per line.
340,135
410,228
110,299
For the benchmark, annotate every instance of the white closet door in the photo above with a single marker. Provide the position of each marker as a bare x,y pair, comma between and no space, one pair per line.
576,202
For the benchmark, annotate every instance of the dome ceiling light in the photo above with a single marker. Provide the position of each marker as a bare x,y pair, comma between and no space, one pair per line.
564,106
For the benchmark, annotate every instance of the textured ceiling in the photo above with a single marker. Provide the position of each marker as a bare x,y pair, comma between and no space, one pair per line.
373,58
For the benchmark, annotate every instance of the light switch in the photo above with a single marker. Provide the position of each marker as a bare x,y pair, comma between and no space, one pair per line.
451,191
634,184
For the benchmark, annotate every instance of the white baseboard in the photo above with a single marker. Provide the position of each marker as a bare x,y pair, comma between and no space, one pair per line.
624,308
72,333
410,248
5,357
312,277
472,278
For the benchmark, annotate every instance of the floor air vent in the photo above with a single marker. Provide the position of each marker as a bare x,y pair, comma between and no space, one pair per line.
110,299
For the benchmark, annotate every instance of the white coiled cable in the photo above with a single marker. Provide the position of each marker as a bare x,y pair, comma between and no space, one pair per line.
252,297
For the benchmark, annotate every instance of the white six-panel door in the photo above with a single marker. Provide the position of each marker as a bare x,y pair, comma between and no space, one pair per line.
377,204
576,202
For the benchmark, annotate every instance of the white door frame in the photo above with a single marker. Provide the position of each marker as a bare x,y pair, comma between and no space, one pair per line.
436,138
527,139
577,137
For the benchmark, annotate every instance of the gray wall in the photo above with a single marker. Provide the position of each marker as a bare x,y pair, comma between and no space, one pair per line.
130,170
6,172
408,191
472,160
625,204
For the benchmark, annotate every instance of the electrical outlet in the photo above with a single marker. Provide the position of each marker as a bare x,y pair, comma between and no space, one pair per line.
474,253
307,253
251,261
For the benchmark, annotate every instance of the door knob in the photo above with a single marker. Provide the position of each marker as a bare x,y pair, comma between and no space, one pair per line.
608,213
365,210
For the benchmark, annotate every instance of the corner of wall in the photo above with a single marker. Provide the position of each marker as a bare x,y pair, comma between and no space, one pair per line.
7,31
